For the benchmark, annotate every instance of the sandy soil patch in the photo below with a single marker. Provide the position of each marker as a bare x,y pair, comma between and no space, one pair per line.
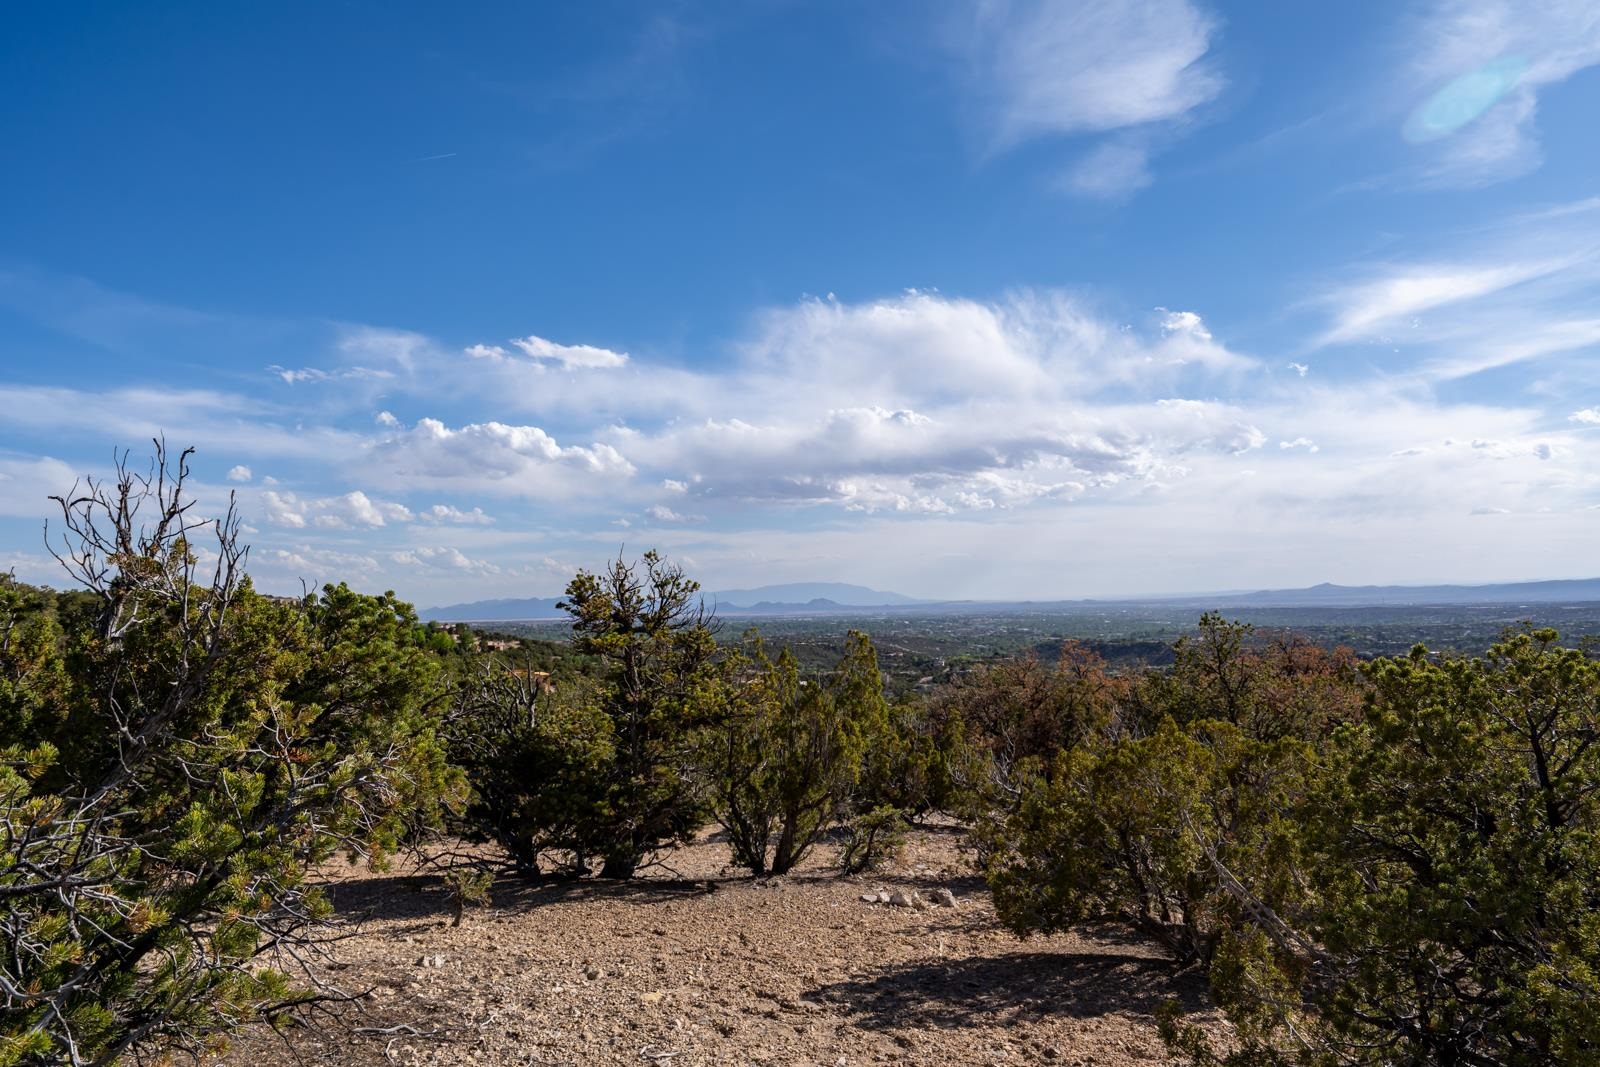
699,965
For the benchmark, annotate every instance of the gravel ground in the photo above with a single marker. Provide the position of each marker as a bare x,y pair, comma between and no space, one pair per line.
703,966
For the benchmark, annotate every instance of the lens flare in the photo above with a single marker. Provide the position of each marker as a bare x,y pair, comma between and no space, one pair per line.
1464,99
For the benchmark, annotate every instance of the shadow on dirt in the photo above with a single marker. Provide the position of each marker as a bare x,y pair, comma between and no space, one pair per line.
424,896
1013,988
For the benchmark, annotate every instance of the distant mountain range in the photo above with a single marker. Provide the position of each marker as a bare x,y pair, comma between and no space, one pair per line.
838,593
797,598
838,598
524,609
1553,592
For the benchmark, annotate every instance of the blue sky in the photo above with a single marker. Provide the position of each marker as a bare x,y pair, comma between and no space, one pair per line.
956,298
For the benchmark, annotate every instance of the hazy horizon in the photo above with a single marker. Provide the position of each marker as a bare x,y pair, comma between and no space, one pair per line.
1044,598
962,301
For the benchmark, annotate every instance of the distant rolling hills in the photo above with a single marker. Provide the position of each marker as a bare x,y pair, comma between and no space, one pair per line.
838,598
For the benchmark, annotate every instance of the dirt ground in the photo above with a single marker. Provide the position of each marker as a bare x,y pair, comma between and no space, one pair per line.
699,965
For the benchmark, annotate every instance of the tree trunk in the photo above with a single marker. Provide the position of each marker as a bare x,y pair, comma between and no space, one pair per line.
620,865
785,857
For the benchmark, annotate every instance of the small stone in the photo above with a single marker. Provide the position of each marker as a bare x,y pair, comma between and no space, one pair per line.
900,898
653,998
869,898
592,973
883,896
943,898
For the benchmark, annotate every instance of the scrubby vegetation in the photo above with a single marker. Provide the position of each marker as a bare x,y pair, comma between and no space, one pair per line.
1396,864
1371,862
177,752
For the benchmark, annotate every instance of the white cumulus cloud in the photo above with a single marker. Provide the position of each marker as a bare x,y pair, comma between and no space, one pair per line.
446,513
442,558
351,509
523,460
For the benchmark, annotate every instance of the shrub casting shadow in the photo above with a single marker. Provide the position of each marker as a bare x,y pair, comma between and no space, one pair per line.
423,896
1015,987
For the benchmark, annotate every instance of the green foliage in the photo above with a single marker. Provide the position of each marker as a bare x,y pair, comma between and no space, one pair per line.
1449,909
662,687
1151,831
34,684
1419,883
912,764
1010,719
466,884
175,761
785,763
1456,861
1270,687
872,838
538,755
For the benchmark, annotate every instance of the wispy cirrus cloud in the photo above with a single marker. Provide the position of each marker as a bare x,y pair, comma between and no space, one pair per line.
296,376
1092,68
541,352
662,513
1477,72
1515,290
210,418
1115,170
1131,68
1401,291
